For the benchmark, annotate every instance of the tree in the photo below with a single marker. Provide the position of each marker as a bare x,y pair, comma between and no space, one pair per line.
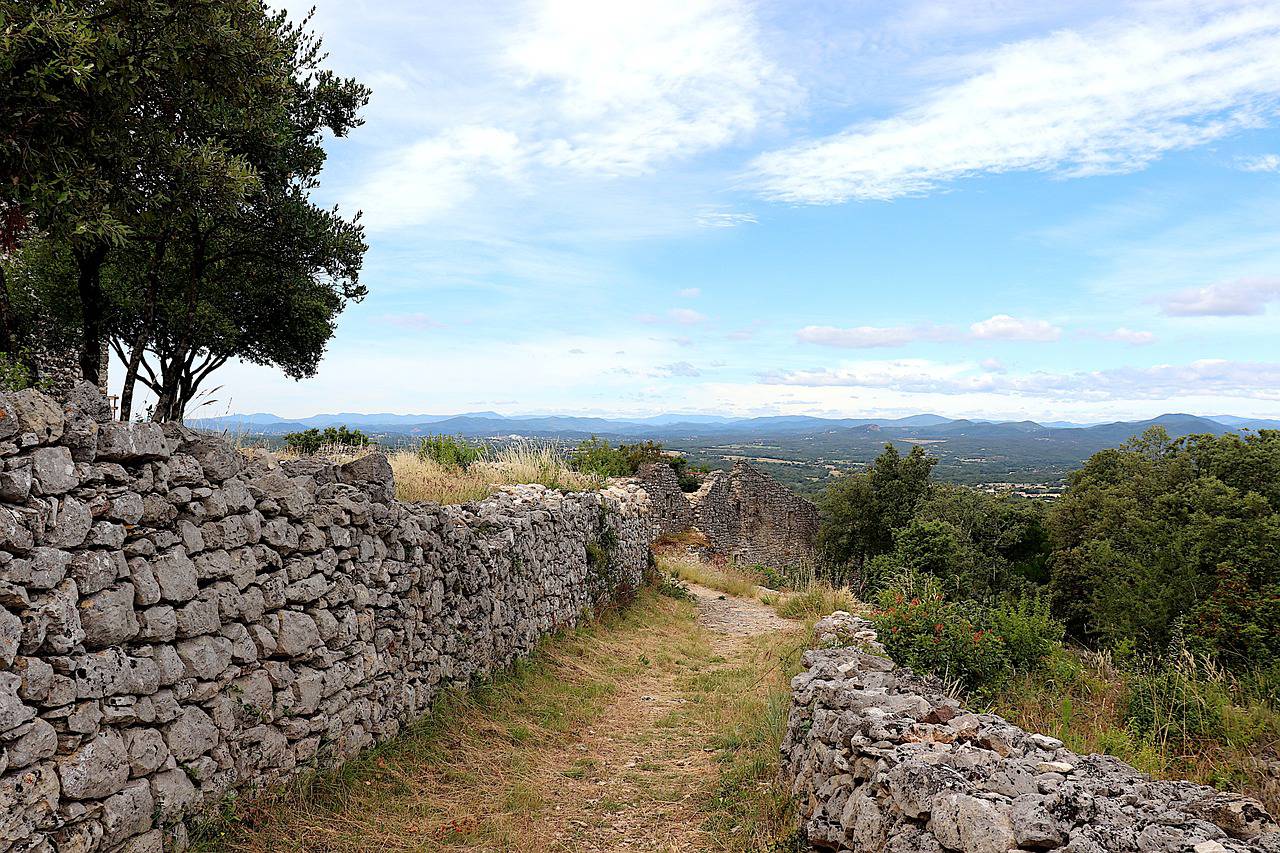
860,512
262,280
1162,541
104,103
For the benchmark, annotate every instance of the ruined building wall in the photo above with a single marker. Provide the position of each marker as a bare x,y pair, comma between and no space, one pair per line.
753,519
880,760
177,622
671,507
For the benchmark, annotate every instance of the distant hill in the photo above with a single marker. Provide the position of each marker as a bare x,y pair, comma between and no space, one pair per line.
801,450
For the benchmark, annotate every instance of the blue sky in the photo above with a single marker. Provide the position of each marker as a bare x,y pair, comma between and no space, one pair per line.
992,209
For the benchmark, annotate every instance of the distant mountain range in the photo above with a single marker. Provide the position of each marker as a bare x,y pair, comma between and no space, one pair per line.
492,424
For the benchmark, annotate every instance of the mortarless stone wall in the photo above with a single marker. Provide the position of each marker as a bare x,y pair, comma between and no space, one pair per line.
753,519
880,760
177,622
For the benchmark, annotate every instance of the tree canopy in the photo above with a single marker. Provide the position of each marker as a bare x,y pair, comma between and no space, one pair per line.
167,152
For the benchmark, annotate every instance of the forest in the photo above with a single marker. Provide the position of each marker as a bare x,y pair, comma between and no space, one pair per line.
1139,614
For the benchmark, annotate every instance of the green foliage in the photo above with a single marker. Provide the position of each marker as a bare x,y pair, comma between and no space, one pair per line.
672,586
600,458
930,634
1031,635
860,512
1162,543
308,442
450,451
964,642
169,157
15,375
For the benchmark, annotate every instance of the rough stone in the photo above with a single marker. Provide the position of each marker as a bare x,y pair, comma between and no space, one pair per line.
96,770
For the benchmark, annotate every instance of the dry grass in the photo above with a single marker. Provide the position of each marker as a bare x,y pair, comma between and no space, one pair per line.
725,578
1209,731
537,761
423,479
819,600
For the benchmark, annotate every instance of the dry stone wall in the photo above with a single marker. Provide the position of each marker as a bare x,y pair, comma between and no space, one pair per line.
752,518
671,508
177,621
881,760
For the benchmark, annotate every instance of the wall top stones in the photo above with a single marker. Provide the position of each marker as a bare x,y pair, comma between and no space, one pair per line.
881,760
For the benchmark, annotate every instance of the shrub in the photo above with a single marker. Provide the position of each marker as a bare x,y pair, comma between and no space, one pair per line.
599,457
931,634
308,442
449,451
1029,631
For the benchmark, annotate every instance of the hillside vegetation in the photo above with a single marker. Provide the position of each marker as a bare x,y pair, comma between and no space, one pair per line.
1159,569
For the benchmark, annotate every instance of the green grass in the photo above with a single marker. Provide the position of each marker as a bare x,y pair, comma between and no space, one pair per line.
490,767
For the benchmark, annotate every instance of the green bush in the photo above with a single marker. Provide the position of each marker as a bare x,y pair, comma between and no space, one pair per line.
450,451
930,634
309,442
1029,631
599,457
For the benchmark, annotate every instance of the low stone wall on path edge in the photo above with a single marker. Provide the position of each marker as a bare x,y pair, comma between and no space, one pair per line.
880,760
177,622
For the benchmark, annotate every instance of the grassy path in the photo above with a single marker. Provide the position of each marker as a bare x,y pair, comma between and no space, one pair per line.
654,730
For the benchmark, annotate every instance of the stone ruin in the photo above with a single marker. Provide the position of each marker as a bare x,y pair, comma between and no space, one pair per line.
745,514
879,759
178,621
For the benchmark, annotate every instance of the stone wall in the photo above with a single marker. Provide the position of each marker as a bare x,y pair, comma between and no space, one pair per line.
671,507
753,519
881,760
57,368
177,621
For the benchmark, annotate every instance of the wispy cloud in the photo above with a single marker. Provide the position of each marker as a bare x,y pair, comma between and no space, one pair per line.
1001,327
1253,380
725,219
1125,335
634,85
680,368
689,293
686,316
1260,163
1240,297
863,337
1111,98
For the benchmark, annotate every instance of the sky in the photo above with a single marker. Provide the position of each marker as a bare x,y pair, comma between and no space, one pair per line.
980,209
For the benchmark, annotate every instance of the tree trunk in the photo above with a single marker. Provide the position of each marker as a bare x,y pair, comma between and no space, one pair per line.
131,378
93,308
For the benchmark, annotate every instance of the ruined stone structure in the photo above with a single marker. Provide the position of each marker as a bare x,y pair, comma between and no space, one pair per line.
745,514
177,621
881,760
57,368
751,518
671,507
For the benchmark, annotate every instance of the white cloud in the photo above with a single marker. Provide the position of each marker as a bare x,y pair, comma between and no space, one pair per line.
418,183
1241,297
686,316
1002,327
680,368
690,293
1128,336
725,219
1112,98
1260,163
861,337
1207,377
634,85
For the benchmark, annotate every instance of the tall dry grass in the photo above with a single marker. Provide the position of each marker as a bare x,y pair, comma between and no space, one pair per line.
423,479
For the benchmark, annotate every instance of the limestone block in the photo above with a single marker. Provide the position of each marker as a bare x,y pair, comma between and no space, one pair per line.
97,769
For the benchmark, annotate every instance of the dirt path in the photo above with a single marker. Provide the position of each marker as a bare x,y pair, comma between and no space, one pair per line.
636,779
